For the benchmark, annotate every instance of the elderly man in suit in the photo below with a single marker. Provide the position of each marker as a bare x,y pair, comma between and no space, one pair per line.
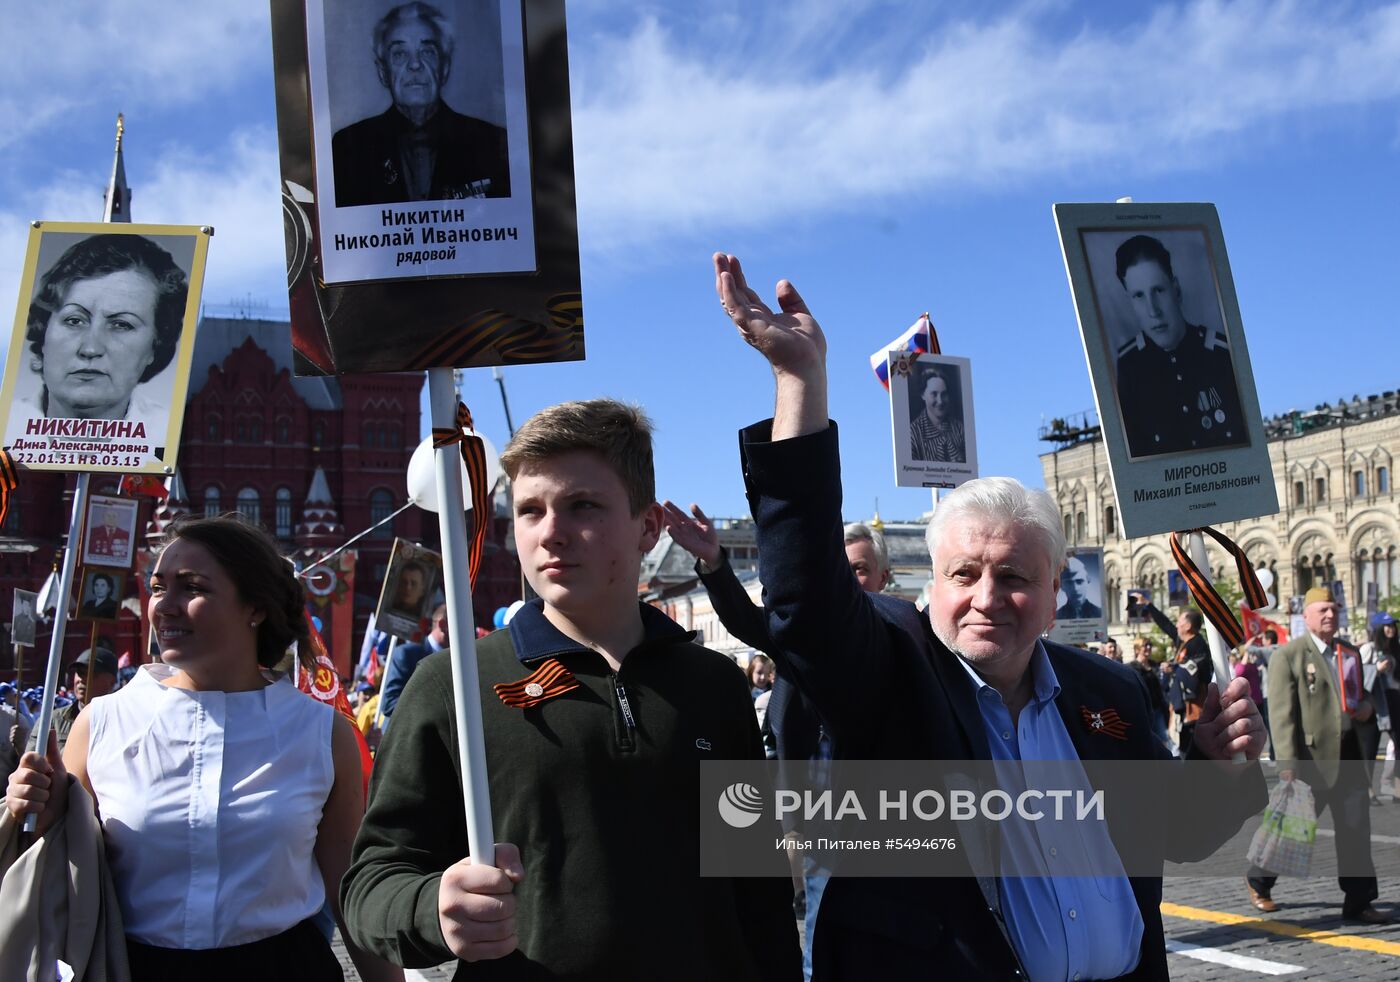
419,149
971,681
1319,711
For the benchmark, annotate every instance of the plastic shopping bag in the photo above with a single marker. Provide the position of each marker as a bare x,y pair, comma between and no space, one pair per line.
1284,842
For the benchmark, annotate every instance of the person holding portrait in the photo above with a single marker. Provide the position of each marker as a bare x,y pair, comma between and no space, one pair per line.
936,428
419,149
107,317
252,789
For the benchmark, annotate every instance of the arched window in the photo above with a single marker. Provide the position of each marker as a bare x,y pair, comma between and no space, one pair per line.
249,504
284,513
395,436
1320,486
318,433
1110,524
1069,527
1300,493
1382,480
284,430
215,427
212,506
1358,483
370,437
381,506
255,430
1079,526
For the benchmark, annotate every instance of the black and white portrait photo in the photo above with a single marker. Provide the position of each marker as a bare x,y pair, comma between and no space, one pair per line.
1081,587
1079,613
94,367
101,595
24,621
1174,375
421,134
931,419
409,143
1160,324
936,431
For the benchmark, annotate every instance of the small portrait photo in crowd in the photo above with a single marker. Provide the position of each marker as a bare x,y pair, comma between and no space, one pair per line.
1079,611
1138,598
101,595
412,586
110,531
418,109
931,420
24,620
100,352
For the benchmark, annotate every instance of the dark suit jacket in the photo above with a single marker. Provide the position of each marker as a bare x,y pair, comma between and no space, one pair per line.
834,638
471,159
791,716
402,661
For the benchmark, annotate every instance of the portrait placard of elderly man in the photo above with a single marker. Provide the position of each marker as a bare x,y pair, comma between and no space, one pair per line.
971,679
419,148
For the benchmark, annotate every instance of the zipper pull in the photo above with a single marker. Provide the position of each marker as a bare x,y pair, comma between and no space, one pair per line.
624,705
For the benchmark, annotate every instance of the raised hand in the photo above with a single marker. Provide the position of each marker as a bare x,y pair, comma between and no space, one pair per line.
791,340
696,536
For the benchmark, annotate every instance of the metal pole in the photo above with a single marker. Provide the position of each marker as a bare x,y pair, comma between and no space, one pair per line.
1219,654
505,403
466,686
60,624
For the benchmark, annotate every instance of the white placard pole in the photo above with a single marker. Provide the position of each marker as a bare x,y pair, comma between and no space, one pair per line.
394,645
1219,654
466,686
60,623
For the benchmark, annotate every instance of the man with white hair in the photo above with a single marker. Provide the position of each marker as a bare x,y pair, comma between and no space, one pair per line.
974,681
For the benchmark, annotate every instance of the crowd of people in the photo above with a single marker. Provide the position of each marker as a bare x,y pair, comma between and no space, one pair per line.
238,837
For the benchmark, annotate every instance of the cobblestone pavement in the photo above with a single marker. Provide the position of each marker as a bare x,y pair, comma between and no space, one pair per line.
1214,934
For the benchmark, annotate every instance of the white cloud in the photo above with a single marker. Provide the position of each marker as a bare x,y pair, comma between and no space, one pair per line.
234,188
678,128
74,55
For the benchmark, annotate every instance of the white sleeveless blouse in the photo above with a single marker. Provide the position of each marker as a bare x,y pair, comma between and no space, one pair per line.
210,803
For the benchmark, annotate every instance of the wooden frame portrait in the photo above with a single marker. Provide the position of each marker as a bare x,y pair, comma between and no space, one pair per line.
412,584
100,597
109,533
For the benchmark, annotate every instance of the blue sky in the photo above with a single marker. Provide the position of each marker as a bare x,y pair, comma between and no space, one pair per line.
889,158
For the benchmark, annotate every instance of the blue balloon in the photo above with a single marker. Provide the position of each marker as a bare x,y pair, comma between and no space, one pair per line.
317,621
500,617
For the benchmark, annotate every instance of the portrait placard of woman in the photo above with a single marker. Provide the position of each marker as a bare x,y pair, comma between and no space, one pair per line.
100,342
107,318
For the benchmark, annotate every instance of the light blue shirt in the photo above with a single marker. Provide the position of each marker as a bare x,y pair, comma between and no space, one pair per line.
1063,927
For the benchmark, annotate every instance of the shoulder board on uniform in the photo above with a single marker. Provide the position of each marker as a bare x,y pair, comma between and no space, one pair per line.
1212,339
1136,343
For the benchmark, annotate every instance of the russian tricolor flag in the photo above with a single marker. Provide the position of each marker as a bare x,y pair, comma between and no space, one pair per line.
919,339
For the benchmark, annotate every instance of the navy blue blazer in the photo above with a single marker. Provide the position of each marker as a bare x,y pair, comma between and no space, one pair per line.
887,689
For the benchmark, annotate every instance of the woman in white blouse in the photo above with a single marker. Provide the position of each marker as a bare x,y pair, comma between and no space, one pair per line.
228,801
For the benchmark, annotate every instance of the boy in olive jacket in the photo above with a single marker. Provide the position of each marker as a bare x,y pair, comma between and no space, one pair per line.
597,711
